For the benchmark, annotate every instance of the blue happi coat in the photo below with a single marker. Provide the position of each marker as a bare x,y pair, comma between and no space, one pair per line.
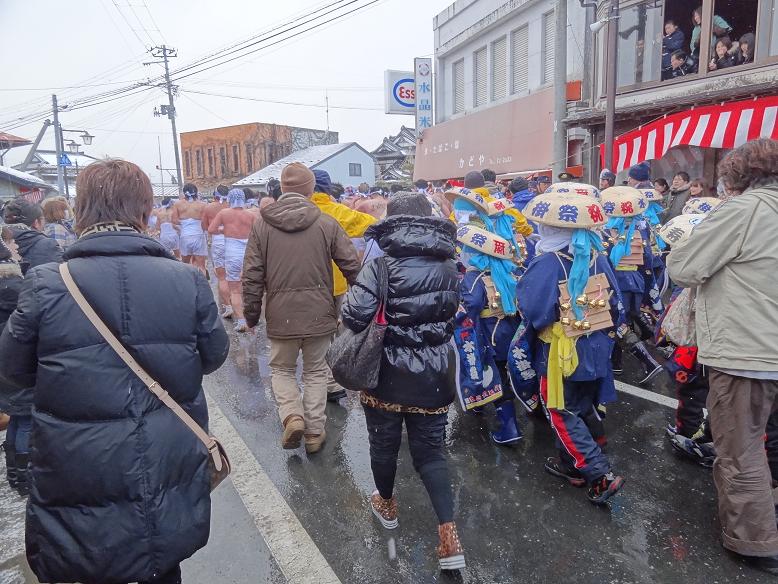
539,305
641,284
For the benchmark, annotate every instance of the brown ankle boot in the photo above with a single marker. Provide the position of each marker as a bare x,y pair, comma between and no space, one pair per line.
451,556
314,442
294,427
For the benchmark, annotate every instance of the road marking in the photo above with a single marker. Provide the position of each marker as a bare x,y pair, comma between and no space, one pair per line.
653,396
297,556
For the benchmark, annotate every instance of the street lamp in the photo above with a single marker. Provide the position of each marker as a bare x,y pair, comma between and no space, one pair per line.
87,138
73,147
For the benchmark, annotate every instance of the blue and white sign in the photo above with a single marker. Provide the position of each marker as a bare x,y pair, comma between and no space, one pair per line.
422,68
400,92
64,160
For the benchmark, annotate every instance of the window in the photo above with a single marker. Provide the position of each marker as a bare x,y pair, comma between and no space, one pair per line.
458,80
734,22
199,162
249,157
639,56
223,161
479,77
548,48
210,161
187,163
354,169
520,48
235,159
499,69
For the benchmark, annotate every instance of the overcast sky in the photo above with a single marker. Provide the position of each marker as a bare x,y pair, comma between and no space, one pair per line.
54,44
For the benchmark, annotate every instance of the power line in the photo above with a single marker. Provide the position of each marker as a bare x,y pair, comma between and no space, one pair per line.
317,105
135,32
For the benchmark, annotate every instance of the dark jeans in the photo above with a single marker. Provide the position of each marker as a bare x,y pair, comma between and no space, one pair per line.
426,435
18,433
691,401
508,394
172,577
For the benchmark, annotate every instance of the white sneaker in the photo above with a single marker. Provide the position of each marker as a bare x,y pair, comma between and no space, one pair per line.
227,311
241,326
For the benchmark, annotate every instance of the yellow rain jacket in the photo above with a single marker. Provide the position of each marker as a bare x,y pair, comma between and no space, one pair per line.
353,223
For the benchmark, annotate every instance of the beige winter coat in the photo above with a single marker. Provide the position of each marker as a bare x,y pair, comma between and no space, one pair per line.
733,257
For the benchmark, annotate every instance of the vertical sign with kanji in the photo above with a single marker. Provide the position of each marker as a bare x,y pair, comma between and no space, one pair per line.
422,69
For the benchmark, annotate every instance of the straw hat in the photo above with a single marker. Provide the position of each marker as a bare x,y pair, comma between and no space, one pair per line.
485,242
701,205
498,206
623,201
568,210
470,196
679,228
574,187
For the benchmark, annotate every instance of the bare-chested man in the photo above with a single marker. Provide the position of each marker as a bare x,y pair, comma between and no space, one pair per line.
168,233
217,247
235,223
187,215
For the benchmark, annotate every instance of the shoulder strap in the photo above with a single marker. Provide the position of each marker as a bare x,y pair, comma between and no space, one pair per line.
152,385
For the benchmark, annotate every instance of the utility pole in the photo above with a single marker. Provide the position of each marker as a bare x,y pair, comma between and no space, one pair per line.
58,145
560,89
610,81
161,172
165,53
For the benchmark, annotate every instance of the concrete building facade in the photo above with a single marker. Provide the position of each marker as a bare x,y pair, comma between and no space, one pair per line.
226,155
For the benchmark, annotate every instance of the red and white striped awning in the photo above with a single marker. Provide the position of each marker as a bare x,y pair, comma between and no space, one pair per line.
728,125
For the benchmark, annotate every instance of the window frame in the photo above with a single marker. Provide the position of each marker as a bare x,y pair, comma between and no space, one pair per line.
211,162
235,159
544,49
249,156
513,37
485,51
355,166
187,163
454,85
199,163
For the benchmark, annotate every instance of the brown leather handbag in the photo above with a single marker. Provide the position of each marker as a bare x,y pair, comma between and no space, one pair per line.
218,463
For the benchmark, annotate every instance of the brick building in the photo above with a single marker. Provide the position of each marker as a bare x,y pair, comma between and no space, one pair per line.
226,155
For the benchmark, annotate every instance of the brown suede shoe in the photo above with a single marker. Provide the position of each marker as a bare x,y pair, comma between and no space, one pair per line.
294,428
314,442
451,556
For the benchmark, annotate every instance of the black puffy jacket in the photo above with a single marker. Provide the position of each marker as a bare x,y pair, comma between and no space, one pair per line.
119,485
13,401
416,369
35,248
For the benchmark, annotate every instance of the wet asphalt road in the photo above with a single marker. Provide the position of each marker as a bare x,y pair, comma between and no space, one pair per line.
517,523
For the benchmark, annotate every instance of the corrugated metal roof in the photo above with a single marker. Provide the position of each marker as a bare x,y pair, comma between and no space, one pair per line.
22,178
310,157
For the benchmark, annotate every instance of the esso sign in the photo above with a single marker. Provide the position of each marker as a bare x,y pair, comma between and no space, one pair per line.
404,93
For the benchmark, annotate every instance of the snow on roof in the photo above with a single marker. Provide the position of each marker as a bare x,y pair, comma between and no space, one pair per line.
310,157
50,158
21,178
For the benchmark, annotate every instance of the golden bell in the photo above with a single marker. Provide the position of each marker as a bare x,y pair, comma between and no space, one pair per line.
586,325
606,244
582,300
592,304
566,320
601,303
565,306
578,325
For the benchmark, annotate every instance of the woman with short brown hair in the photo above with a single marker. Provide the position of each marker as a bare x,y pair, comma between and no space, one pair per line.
58,217
120,486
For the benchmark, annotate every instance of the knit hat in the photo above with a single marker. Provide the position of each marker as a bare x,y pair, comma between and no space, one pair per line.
640,172
608,175
21,210
543,180
407,203
297,178
323,182
518,184
474,180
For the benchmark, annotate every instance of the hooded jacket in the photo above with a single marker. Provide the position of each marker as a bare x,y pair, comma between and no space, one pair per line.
676,200
289,257
119,485
417,368
353,223
35,247
732,257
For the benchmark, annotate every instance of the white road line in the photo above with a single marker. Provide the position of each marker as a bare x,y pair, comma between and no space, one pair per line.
653,396
297,556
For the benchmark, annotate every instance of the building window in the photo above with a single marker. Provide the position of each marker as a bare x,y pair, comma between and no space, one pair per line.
548,48
223,161
199,162
249,158
458,79
479,77
520,49
187,163
210,161
354,169
499,69
235,159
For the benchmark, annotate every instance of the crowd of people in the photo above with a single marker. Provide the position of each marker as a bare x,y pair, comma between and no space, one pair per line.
505,298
